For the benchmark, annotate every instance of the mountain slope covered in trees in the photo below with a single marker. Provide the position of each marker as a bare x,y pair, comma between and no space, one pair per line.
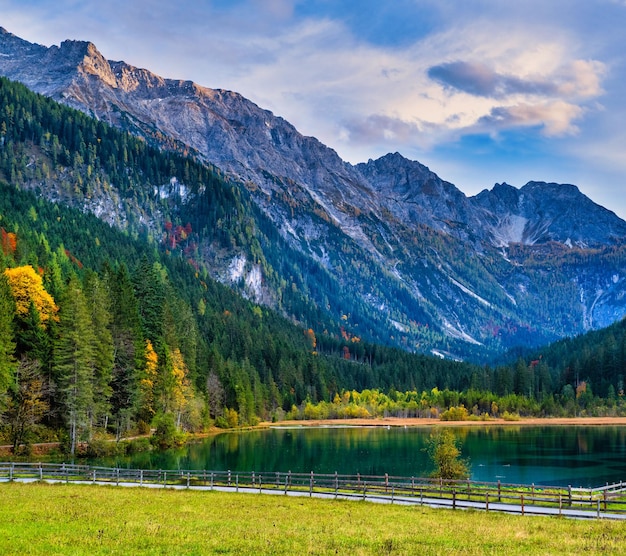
386,250
108,329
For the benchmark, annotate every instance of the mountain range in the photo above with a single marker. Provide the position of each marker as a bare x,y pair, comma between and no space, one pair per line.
386,249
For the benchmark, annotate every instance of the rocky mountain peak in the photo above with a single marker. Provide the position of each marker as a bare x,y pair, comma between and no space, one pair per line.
541,212
86,58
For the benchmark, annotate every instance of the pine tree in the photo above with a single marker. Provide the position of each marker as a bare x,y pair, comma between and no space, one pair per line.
150,295
74,361
7,343
98,303
128,345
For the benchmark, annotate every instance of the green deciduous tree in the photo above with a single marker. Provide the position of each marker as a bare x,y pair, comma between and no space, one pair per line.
445,453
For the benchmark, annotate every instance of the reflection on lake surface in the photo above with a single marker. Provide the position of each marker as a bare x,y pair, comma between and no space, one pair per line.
549,455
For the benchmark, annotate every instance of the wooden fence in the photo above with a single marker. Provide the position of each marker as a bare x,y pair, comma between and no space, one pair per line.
608,501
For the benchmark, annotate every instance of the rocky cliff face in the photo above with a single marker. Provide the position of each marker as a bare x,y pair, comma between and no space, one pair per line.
441,270
540,212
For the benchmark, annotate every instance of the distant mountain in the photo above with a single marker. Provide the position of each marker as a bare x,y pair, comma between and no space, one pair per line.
386,249
540,212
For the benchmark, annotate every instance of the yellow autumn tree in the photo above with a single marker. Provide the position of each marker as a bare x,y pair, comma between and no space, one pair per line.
27,287
180,384
147,383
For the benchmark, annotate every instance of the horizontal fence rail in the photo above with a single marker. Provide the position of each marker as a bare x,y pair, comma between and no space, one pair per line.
608,501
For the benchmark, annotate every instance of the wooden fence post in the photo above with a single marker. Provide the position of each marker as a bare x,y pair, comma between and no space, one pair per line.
486,501
311,485
522,502
569,490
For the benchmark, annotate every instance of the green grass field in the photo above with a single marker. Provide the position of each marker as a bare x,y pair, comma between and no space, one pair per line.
75,519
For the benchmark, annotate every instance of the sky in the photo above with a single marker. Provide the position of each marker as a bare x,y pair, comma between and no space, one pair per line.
480,91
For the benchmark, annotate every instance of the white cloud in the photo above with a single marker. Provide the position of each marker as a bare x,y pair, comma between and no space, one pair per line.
556,118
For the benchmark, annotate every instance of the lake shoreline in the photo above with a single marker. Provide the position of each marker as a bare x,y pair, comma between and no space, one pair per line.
424,422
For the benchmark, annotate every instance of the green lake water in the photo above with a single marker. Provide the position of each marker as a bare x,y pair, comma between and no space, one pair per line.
546,455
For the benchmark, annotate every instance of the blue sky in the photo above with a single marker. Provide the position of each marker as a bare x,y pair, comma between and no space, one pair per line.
481,91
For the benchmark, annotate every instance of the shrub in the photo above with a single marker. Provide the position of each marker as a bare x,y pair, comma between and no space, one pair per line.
100,446
137,445
510,416
166,434
221,422
458,413
143,427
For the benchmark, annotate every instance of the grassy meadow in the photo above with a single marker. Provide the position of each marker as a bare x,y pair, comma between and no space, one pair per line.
83,519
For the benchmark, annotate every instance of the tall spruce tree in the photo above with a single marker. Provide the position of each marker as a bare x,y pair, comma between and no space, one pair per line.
7,343
74,361
99,304
129,348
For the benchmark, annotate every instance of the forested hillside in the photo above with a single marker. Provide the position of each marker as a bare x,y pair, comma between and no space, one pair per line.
120,328
100,330
106,329
167,197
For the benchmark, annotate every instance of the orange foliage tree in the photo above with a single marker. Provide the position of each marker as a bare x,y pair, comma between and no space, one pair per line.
27,287
9,242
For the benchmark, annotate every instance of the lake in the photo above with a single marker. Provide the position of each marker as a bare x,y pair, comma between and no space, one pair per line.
586,456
